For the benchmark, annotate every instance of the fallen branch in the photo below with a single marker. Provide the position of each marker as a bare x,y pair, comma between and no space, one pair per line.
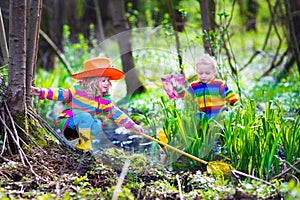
5,159
292,166
21,153
121,180
252,177
179,187
281,160
4,142
15,137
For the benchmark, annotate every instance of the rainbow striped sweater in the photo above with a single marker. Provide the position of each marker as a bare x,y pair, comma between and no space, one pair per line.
212,97
77,101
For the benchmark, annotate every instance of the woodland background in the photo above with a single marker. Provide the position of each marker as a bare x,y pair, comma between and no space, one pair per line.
256,44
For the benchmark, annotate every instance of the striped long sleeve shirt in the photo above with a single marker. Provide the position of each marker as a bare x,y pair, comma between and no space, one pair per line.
77,101
211,97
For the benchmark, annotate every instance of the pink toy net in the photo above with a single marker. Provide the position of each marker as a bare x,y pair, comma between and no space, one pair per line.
171,82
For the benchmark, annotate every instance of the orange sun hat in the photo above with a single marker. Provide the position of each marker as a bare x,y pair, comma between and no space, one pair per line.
99,67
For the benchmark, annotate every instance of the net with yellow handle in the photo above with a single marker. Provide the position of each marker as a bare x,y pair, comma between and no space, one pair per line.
213,167
218,168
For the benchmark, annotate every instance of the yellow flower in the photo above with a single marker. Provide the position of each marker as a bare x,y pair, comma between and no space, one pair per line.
161,135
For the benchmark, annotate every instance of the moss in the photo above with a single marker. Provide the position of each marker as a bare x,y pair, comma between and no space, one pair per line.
37,133
116,158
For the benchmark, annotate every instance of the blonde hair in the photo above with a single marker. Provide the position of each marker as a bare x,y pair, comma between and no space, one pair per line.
206,59
90,85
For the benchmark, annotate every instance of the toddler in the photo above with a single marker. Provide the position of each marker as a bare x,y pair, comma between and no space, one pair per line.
211,94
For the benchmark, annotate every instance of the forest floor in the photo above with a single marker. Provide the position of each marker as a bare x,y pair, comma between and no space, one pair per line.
57,173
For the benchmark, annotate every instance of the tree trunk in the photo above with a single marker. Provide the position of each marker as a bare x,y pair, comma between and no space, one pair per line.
121,27
248,12
34,18
15,108
293,39
17,66
293,16
251,15
17,57
206,25
178,48
99,21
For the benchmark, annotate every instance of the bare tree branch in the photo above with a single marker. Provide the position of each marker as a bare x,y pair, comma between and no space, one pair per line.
279,38
3,43
258,52
60,55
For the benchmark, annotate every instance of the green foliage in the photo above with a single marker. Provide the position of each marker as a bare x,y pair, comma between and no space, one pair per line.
249,138
80,7
117,157
132,15
179,122
259,189
253,139
291,190
286,92
77,52
124,193
81,180
3,194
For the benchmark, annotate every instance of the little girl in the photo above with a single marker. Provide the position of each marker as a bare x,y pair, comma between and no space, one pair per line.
88,102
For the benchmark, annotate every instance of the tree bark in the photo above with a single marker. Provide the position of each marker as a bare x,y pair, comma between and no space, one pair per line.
206,25
178,48
294,30
248,13
4,6
17,57
34,18
99,21
121,27
252,6
17,67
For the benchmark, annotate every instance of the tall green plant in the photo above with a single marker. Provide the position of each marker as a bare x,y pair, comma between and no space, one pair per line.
290,138
252,139
184,130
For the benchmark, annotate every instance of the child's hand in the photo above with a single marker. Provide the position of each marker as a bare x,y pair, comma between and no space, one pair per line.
137,128
34,91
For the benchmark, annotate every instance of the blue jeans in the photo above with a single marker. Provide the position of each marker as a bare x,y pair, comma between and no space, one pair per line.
85,120
82,120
